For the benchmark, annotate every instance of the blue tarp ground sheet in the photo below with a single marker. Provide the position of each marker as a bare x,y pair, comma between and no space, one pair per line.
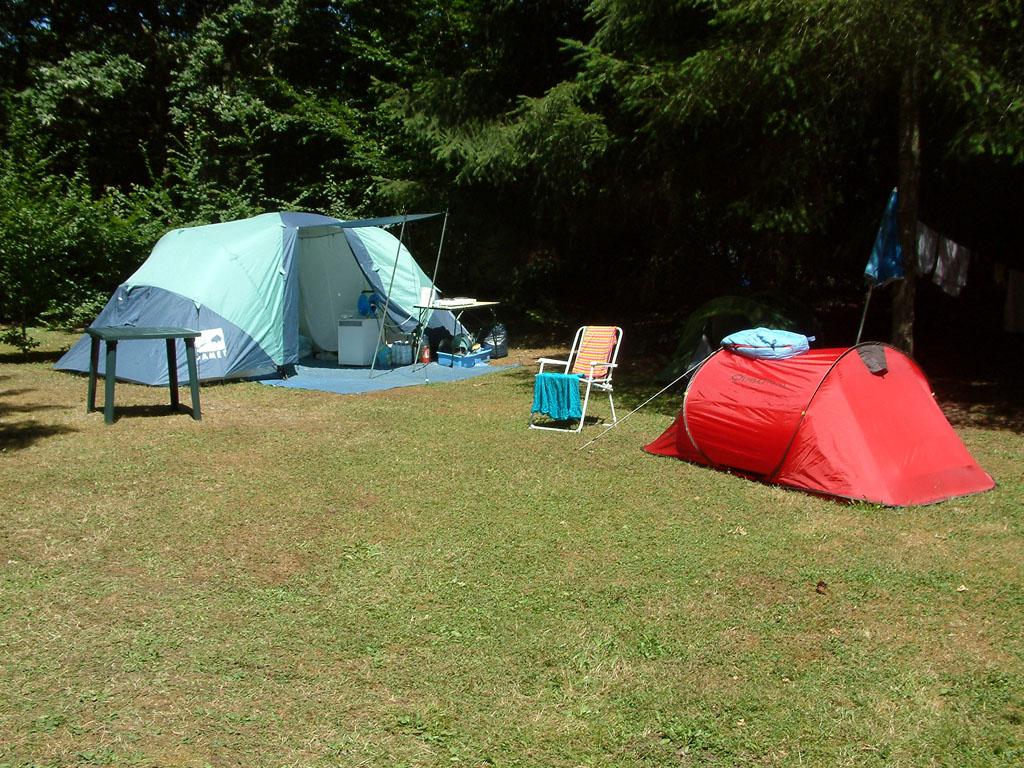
329,377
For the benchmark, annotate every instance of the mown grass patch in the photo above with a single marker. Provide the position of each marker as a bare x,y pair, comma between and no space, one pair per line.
414,578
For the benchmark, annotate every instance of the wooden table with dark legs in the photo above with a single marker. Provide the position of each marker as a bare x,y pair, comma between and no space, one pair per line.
110,335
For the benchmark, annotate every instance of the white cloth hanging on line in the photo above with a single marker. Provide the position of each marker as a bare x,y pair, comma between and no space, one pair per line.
942,259
951,265
927,249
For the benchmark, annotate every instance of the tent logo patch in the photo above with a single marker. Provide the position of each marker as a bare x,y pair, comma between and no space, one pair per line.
741,378
211,345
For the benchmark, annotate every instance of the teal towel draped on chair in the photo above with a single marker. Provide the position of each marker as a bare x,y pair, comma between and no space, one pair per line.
557,395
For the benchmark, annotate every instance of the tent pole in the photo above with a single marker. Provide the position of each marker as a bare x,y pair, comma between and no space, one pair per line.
433,286
440,245
864,314
387,299
437,260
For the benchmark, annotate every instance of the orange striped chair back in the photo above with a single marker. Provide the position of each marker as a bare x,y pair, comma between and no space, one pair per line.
596,346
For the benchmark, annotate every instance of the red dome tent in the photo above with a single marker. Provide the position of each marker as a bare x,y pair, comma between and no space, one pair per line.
858,423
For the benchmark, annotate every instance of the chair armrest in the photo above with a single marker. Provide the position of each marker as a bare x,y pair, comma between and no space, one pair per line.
602,365
603,378
549,361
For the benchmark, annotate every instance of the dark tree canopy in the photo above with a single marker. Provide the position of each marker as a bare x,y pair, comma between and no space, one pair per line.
600,159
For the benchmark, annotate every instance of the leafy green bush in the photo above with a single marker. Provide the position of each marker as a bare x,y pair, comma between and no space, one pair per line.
17,337
61,250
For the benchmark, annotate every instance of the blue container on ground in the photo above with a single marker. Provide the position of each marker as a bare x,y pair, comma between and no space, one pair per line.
479,357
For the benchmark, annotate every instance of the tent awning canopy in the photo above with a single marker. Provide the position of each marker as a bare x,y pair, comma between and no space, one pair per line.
327,226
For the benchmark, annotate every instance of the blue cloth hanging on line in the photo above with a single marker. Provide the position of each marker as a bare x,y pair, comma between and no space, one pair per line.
886,261
557,395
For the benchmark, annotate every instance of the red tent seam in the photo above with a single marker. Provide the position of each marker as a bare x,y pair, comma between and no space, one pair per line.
803,414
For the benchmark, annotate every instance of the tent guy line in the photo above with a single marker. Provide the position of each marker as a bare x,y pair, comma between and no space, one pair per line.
661,391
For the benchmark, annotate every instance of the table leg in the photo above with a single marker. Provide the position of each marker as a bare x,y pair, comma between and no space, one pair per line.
193,377
94,360
172,372
458,322
109,376
420,330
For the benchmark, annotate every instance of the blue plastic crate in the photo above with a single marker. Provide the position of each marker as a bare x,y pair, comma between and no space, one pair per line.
479,357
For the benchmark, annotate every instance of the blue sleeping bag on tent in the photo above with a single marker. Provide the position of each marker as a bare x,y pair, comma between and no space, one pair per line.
767,343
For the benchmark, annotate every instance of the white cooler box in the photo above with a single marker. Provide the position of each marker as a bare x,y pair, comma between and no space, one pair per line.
357,340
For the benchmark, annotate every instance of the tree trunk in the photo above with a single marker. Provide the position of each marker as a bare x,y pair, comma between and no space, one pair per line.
909,187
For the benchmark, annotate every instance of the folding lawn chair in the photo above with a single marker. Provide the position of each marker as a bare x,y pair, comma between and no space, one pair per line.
592,357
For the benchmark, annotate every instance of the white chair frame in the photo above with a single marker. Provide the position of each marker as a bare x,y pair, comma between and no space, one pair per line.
602,383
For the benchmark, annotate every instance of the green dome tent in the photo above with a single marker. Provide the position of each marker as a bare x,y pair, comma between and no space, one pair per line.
711,322
253,286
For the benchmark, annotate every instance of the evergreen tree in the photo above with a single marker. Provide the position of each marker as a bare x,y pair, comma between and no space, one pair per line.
793,99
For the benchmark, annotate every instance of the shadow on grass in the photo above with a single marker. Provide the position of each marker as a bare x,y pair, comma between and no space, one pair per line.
35,356
145,411
21,434
15,437
984,404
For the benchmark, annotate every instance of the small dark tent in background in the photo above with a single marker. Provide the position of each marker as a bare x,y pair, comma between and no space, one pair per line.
858,423
255,287
711,322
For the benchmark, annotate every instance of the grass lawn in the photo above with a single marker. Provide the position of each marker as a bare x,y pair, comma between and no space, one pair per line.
413,578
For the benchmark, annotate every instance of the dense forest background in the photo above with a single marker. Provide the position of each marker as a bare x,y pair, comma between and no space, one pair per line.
604,160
